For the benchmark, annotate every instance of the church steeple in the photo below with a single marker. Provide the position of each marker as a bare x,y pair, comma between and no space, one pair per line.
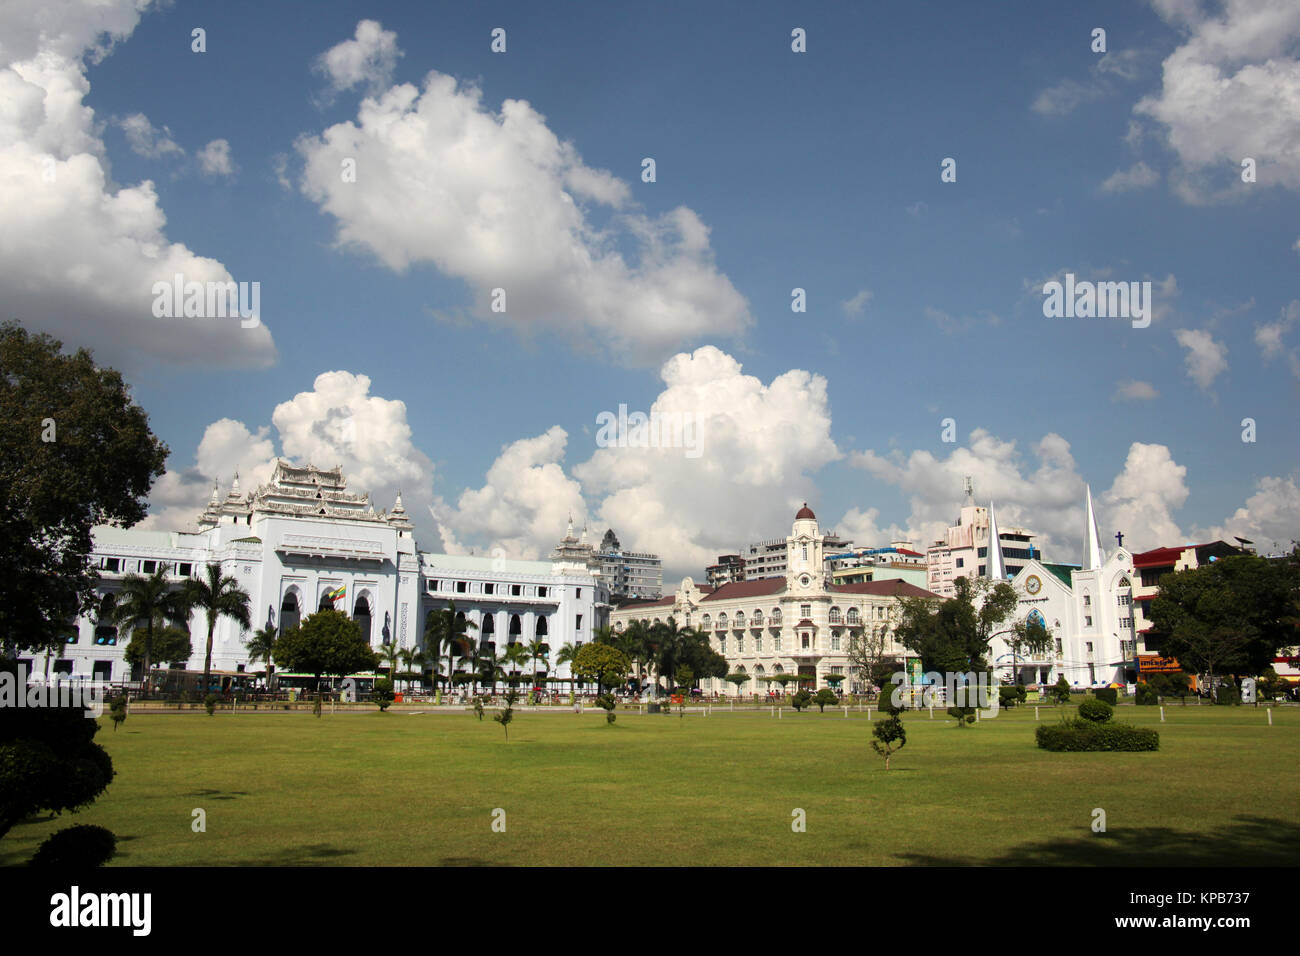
996,567
1092,553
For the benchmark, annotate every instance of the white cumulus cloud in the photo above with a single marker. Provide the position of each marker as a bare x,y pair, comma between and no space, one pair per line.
1205,357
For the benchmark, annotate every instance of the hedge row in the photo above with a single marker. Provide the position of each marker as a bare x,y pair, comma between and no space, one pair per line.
1081,735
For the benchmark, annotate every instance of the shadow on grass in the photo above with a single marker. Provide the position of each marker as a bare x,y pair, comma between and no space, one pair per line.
1246,841
217,794
304,855
464,861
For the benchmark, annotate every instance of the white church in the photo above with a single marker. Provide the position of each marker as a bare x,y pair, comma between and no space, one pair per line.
1088,610
302,536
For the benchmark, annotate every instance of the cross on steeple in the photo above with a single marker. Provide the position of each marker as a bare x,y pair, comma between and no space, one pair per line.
1119,536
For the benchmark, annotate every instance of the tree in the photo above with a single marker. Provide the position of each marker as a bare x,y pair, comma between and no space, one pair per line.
327,642
1030,636
869,652
889,736
602,663
953,636
151,600
382,694
411,657
801,700
738,679
1230,616
450,629
825,696
488,670
261,647
171,645
389,654
77,452
48,760
1061,690
566,656
507,715
516,655
217,595
537,650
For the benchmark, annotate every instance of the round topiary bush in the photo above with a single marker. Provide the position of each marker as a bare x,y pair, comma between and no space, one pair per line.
82,845
1096,711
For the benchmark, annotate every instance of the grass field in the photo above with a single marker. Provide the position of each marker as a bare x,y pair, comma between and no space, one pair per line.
419,789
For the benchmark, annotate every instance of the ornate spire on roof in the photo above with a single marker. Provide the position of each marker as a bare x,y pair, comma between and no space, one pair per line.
1093,556
996,567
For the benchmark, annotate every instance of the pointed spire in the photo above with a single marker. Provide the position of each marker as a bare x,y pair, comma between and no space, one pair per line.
213,500
234,487
1092,554
996,567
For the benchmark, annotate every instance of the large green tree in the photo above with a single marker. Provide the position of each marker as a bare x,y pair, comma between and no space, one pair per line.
603,663
1230,616
77,452
171,645
326,643
261,647
953,636
218,595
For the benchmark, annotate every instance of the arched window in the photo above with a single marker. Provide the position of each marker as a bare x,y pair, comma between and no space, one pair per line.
776,615
516,628
835,615
740,619
757,619
540,628
722,620
361,614
489,625
707,622
290,613
853,615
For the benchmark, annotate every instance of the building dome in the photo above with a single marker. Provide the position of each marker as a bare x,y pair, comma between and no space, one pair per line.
805,512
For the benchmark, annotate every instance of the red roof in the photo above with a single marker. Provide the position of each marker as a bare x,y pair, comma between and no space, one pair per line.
894,587
637,605
910,553
805,512
1158,557
747,589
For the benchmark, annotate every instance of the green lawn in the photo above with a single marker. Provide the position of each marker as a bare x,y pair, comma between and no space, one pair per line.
402,788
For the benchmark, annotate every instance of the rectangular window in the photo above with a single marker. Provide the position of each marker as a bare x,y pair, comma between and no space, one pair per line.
111,564
1087,622
515,590
462,587
1059,649
433,585
578,626
1087,600
1125,600
578,593
541,592
805,611
961,562
489,589
148,567
835,642
758,644
184,570
722,645
776,641
740,644
1089,647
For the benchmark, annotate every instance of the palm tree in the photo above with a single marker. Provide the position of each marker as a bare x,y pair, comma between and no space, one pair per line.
537,649
447,628
390,653
638,649
261,647
487,667
672,642
411,657
516,655
146,600
568,654
218,596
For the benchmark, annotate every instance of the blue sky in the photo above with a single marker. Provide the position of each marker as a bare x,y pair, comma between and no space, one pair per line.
818,170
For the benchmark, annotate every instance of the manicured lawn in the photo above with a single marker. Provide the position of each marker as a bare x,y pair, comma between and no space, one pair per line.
401,788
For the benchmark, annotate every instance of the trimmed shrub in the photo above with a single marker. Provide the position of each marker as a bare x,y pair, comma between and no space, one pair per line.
1095,711
78,846
382,694
210,703
1227,694
964,715
801,700
1061,690
1146,695
1075,736
1109,694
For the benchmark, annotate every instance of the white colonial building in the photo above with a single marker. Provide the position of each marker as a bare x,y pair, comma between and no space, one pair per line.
798,623
302,536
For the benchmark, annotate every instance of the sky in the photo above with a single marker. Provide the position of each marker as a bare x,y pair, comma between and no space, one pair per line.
466,265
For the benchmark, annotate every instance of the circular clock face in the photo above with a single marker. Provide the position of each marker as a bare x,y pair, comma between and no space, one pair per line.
804,580
1032,584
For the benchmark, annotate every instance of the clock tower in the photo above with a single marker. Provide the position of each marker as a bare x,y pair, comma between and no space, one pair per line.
805,571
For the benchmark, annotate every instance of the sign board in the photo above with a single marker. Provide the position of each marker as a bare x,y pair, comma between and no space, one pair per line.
1151,664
